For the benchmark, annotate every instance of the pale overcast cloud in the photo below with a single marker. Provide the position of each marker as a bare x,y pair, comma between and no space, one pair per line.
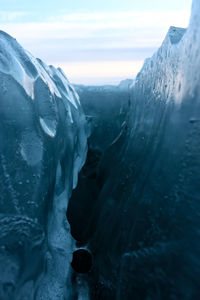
93,47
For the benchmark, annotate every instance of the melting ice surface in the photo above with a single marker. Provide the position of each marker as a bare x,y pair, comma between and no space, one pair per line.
136,207
43,144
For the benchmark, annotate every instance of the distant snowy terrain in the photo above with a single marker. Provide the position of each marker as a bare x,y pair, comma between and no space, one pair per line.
105,108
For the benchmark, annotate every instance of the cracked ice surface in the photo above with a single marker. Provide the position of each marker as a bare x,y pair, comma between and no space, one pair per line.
43,145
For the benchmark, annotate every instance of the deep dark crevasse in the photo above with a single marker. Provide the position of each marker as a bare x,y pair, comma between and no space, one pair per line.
82,213
107,131
85,204
81,261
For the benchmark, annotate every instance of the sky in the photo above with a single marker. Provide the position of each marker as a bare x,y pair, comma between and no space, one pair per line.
94,41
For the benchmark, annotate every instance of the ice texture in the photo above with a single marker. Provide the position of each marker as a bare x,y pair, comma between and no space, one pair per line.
43,145
143,204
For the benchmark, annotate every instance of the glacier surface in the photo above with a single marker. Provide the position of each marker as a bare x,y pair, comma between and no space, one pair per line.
43,146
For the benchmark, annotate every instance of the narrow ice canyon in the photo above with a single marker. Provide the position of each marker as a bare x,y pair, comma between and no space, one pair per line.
100,186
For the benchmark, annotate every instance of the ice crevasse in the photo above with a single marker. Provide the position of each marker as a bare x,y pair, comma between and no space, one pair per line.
145,214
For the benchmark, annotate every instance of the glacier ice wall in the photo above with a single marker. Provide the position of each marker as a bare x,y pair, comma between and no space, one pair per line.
43,145
145,205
